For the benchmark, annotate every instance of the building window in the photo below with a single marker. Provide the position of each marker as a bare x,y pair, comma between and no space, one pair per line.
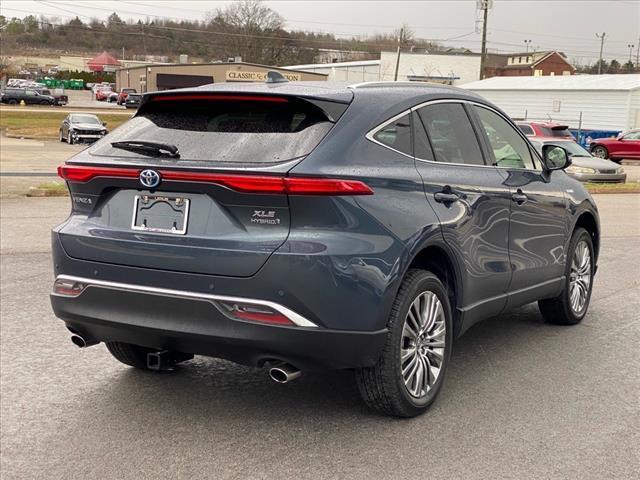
537,73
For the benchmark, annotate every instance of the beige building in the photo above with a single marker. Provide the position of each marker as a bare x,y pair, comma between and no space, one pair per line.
150,78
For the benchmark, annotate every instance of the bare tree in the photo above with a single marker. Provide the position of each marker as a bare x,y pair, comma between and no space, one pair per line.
254,30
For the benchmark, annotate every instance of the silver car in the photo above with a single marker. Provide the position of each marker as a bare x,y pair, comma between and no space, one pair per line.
584,166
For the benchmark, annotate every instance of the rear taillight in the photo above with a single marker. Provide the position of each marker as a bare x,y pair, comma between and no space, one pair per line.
256,184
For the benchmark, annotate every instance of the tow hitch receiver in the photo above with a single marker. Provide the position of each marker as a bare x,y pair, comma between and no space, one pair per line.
166,360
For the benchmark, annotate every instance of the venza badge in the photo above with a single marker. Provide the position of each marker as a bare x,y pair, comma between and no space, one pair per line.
149,178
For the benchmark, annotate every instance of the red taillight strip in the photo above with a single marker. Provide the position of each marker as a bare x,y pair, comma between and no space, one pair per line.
219,98
84,174
260,184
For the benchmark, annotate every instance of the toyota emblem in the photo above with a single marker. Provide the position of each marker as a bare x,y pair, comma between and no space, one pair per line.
149,178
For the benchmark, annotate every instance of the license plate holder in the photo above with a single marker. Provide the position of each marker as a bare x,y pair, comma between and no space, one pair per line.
160,214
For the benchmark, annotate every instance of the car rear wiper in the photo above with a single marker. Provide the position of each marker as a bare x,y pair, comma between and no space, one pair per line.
150,148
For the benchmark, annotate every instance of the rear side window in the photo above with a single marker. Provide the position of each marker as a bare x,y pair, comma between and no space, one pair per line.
221,131
526,129
397,135
421,145
452,137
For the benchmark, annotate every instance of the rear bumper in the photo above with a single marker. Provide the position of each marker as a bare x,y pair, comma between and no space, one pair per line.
191,323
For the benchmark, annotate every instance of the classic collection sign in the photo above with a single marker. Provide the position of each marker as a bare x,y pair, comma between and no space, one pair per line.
245,76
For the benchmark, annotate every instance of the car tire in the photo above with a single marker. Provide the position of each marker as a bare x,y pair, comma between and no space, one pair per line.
600,152
129,354
60,135
570,307
69,138
386,386
44,102
12,101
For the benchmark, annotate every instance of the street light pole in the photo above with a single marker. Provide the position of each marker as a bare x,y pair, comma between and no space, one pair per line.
527,43
601,37
630,46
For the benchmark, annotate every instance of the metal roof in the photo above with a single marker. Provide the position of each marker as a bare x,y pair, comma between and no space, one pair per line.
356,63
625,82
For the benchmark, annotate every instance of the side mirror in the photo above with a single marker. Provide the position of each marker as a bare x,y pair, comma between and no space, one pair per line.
104,124
555,157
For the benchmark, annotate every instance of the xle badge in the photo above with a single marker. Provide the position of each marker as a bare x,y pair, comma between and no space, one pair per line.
265,217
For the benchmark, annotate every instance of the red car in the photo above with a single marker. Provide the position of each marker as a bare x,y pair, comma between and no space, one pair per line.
102,94
124,93
626,145
544,129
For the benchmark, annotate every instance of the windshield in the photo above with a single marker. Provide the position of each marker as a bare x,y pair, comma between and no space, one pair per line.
85,119
574,149
224,131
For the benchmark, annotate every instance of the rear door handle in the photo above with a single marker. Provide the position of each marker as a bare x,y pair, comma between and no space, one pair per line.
446,197
519,197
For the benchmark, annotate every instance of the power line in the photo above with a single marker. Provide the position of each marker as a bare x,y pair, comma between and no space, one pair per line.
323,42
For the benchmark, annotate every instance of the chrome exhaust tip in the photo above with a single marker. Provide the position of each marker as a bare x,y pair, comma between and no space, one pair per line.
82,342
284,373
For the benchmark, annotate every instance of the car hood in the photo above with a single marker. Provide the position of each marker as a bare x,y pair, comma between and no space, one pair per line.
594,162
87,126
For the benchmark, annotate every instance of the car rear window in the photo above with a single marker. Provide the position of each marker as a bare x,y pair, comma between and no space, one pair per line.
526,129
225,131
555,132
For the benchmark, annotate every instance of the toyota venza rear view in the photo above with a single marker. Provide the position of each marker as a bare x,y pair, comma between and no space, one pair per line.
305,226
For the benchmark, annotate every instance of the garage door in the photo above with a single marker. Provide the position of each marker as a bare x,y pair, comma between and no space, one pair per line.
167,81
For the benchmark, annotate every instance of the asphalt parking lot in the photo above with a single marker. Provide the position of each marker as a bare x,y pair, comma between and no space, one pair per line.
522,399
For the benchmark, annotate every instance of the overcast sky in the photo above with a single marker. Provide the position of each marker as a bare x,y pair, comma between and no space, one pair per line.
566,25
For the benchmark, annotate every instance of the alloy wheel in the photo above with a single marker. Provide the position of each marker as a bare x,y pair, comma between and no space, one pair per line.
423,344
580,277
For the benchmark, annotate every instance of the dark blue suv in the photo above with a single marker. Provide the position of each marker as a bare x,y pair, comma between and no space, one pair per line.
310,226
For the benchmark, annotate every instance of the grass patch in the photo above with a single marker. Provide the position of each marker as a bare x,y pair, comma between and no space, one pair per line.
45,124
629,187
49,189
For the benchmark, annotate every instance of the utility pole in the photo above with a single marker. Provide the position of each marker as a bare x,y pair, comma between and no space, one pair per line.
484,5
630,47
601,37
400,38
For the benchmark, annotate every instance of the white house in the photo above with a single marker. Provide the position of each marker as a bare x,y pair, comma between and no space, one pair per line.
357,71
593,102
452,69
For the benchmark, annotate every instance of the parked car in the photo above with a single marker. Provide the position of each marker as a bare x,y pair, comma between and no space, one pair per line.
122,96
133,100
102,94
545,129
626,145
112,97
60,98
81,127
13,96
584,166
300,227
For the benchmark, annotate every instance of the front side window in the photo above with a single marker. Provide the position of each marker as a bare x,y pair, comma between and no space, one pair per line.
451,134
396,135
510,150
632,136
